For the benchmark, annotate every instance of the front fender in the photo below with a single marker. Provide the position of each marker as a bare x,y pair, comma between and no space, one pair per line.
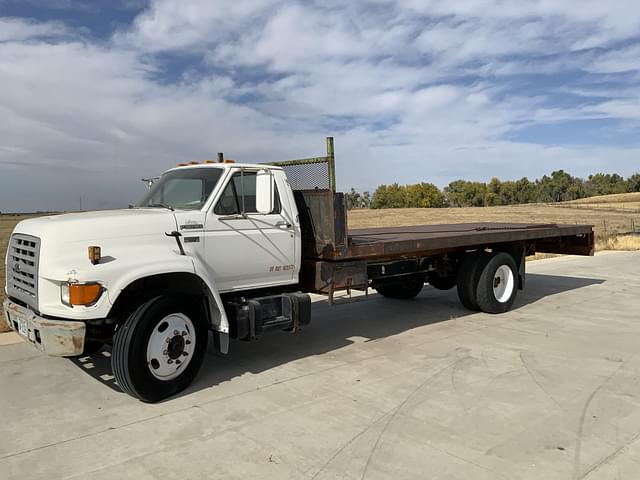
180,264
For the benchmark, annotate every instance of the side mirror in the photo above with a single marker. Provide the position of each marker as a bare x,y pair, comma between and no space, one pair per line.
264,192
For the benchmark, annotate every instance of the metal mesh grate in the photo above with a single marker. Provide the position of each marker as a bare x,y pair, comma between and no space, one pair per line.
308,176
311,173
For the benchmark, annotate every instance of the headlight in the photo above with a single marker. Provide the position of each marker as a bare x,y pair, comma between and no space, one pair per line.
80,293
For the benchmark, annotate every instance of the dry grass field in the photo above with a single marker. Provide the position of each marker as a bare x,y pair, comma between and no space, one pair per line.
623,202
606,222
612,215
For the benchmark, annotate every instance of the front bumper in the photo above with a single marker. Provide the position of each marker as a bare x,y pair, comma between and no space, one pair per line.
60,338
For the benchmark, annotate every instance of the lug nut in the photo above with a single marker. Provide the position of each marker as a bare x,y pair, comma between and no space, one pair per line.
164,352
185,354
178,362
175,332
170,361
168,339
184,333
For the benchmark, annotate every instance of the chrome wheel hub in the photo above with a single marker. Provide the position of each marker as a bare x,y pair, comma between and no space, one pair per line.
503,283
170,347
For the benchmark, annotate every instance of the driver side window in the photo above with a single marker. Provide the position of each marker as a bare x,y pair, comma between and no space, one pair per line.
239,196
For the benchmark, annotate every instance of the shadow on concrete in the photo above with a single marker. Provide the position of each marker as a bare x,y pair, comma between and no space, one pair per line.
332,328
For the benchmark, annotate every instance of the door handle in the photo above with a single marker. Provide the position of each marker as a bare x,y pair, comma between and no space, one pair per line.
282,223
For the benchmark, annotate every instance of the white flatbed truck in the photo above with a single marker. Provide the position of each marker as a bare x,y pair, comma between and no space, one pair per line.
235,249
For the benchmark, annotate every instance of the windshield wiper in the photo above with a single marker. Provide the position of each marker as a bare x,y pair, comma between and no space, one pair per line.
159,205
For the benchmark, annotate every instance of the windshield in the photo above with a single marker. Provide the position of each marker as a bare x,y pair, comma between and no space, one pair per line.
185,189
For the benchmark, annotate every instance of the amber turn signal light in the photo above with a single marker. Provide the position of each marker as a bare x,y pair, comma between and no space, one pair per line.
84,293
94,254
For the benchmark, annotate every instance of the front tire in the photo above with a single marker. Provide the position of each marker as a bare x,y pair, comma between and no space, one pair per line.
158,350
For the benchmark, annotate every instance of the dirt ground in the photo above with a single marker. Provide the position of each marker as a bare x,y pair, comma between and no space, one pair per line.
604,221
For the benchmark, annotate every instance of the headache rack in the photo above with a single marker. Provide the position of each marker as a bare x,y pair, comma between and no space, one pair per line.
314,173
322,210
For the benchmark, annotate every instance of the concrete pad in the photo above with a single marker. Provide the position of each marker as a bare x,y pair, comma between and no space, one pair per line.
371,389
9,338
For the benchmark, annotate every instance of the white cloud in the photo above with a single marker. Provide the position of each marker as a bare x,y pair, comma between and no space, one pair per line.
17,29
414,91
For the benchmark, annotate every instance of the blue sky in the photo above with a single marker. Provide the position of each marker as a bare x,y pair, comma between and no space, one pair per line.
95,95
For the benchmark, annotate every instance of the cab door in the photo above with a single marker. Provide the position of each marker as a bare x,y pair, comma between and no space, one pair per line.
243,248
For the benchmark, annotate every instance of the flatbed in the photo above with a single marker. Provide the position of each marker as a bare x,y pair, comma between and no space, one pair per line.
335,257
390,242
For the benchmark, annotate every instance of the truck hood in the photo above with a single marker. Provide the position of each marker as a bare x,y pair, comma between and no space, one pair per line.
100,225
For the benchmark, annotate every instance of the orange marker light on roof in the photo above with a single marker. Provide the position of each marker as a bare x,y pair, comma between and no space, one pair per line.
229,161
193,163
210,161
94,254
181,165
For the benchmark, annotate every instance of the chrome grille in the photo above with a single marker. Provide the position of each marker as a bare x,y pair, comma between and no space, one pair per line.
22,268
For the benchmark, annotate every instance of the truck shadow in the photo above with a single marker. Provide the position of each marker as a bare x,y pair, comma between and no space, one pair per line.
333,328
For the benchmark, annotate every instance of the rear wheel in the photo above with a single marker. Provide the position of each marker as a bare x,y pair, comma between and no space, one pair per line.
401,287
158,350
497,285
442,283
468,276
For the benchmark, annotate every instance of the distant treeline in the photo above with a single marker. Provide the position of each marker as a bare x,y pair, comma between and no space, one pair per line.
557,187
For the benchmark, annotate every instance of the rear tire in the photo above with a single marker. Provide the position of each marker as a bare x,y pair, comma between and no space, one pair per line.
498,284
158,350
442,283
403,288
468,276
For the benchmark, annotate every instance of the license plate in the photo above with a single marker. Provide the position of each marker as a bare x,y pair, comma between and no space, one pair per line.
23,329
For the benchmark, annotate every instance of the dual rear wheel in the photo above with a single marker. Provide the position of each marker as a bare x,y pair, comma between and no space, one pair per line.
488,282
485,281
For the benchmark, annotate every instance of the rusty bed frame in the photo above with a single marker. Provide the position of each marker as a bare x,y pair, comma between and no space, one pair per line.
336,258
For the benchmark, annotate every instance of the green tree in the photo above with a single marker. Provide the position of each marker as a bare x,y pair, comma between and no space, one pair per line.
388,196
366,200
462,193
353,199
605,184
526,191
559,187
633,183
356,199
423,195
493,195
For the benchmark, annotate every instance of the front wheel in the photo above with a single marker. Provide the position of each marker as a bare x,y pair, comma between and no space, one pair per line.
158,350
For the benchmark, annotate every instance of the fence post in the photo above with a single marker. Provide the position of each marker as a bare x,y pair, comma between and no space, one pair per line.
331,164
